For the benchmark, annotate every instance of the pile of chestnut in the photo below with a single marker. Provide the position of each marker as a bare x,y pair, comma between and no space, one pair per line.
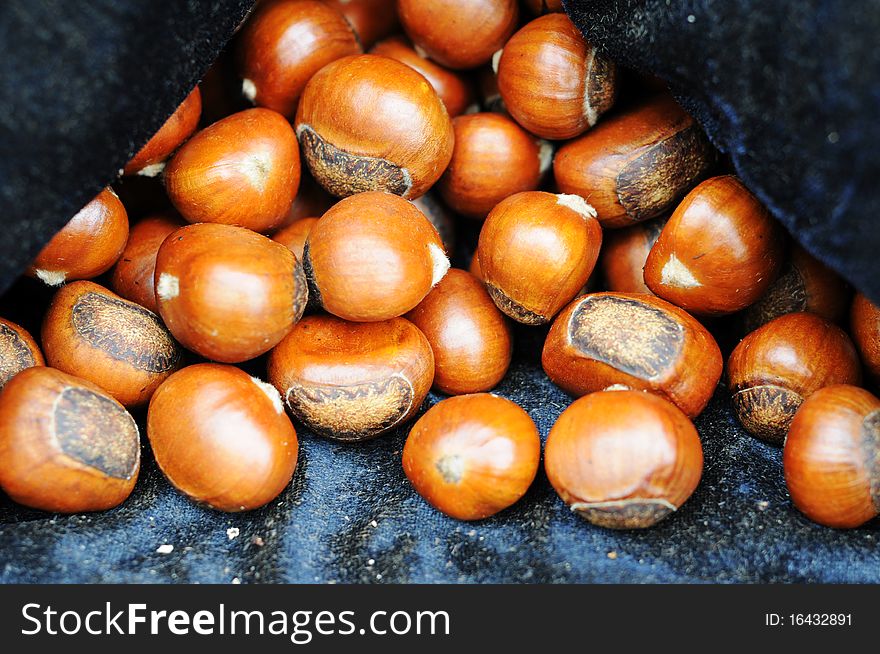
606,215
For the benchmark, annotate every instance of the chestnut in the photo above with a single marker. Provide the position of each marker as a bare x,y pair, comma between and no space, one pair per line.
295,235
352,381
623,459
804,284
865,330
831,457
636,164
96,335
623,256
554,83
370,123
66,446
149,161
227,293
493,159
536,252
776,367
453,90
133,274
88,245
458,34
373,256
18,351
243,170
284,43
221,437
472,456
633,341
371,20
469,336
719,252
439,216
475,269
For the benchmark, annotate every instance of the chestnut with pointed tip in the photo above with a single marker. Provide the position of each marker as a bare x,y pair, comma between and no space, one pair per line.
18,351
776,367
458,34
222,438
88,245
370,123
352,381
66,446
284,43
454,91
719,252
493,159
133,274
633,341
832,457
243,170
624,253
804,284
472,456
92,333
554,83
636,164
227,293
865,330
373,256
623,459
371,20
536,252
149,161
470,337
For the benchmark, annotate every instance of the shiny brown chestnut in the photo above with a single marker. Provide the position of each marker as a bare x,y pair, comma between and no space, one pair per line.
98,336
149,161
458,34
18,351
371,20
493,158
719,252
66,446
373,256
776,367
283,44
831,457
227,293
352,381
623,256
370,123
633,341
536,252
133,274
472,456
88,245
804,284
454,91
243,170
554,83
623,459
636,164
865,330
469,336
221,437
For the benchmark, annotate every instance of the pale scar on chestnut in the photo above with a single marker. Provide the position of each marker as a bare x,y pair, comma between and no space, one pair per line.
125,331
15,355
97,432
766,410
635,513
871,447
513,309
635,338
